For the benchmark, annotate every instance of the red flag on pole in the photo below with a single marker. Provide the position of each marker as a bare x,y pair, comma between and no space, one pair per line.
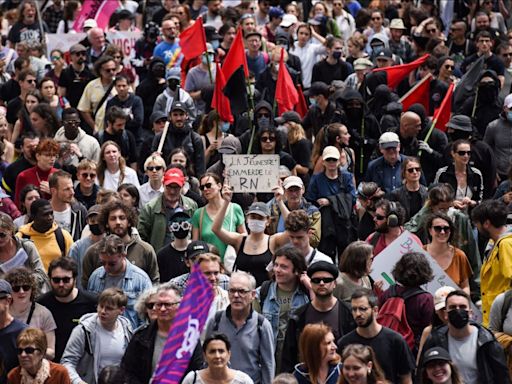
193,40
397,73
301,108
420,93
442,114
220,102
286,93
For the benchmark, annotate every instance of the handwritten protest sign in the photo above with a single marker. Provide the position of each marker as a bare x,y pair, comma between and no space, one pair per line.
386,260
252,173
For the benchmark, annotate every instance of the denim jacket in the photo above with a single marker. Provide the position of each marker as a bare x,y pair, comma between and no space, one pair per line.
135,282
270,308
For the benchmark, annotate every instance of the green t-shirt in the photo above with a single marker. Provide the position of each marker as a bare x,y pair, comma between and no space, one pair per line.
234,217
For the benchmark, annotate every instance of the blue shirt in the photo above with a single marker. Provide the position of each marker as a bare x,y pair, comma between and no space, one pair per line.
386,176
170,53
321,186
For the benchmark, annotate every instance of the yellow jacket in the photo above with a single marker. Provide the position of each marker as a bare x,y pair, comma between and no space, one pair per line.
496,274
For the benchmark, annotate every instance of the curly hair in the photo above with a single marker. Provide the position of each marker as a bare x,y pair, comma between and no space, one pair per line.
413,270
22,276
297,220
114,206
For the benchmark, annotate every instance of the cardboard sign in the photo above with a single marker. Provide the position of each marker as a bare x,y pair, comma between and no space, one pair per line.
252,173
384,262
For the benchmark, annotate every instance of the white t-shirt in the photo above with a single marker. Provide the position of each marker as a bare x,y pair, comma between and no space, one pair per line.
63,219
111,180
111,345
463,353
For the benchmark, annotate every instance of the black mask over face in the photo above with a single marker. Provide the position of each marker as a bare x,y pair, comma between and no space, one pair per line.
158,71
459,317
95,229
487,92
173,84
180,234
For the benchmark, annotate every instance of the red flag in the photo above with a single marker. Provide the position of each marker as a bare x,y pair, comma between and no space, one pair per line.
442,114
220,102
420,93
236,72
286,93
301,108
397,73
193,40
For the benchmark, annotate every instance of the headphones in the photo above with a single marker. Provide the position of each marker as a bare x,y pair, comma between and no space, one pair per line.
392,219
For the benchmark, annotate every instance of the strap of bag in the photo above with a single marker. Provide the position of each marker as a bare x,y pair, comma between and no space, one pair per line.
31,313
507,301
201,215
103,99
60,241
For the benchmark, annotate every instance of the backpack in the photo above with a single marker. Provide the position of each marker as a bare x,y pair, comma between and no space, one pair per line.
392,314
59,237
507,301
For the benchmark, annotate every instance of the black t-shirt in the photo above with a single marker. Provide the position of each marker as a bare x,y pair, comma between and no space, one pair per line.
391,350
330,318
13,107
171,263
366,226
66,316
415,202
323,71
27,33
75,83
8,354
9,90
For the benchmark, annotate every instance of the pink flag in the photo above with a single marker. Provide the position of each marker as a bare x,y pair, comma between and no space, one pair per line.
185,330
98,10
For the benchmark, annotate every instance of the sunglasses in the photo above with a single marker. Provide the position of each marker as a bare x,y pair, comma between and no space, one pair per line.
441,228
155,168
150,305
27,350
331,159
65,280
379,217
176,226
205,186
506,54
463,153
267,139
56,57
31,81
326,280
109,69
86,175
17,288
431,30
3,235
415,169
449,66
375,18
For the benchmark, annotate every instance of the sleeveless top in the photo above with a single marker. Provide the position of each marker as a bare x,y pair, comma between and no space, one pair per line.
256,265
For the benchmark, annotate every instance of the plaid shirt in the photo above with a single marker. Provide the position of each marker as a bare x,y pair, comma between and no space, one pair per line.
52,17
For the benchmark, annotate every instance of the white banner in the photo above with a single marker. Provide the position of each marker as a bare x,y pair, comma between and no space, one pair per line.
252,173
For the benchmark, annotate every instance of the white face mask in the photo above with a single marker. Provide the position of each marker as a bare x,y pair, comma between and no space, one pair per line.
256,226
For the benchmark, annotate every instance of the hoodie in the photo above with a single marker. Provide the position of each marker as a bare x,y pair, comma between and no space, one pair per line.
164,102
82,353
46,243
88,145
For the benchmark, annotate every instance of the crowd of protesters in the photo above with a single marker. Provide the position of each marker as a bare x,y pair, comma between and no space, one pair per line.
113,186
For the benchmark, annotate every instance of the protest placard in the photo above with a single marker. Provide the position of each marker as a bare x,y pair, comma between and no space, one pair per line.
252,173
384,262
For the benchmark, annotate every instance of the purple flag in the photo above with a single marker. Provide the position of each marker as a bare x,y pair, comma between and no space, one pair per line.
185,330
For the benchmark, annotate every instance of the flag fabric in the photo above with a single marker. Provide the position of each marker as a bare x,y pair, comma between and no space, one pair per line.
396,73
287,96
442,114
185,330
466,87
219,101
420,93
301,108
193,40
98,10
235,72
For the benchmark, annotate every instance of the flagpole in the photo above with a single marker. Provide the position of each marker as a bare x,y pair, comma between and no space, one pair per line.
251,115
429,76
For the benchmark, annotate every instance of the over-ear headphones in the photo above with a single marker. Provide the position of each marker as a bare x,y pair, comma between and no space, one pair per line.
392,219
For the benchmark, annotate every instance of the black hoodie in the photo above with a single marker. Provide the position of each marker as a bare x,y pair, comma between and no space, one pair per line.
149,89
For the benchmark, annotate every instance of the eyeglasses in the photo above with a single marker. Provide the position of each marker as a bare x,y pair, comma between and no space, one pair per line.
71,122
331,159
359,309
65,280
205,186
155,168
449,66
176,226
267,139
86,175
326,280
27,350
414,169
17,288
239,291
31,81
441,228
431,30
379,217
150,305
463,153
165,305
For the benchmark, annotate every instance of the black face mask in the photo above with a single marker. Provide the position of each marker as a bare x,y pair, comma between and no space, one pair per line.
180,234
487,91
158,71
95,229
459,317
173,84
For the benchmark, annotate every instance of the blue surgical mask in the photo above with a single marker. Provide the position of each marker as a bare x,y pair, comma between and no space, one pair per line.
215,44
509,116
312,101
204,59
224,126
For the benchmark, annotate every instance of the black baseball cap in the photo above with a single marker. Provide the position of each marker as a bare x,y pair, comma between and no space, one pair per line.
196,248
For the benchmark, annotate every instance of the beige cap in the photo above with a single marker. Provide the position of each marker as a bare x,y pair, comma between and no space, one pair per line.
440,297
397,24
330,152
362,63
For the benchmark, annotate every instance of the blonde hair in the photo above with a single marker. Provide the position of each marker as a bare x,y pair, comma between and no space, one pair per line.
154,159
295,132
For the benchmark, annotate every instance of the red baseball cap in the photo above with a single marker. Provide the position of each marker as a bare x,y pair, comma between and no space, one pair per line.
174,176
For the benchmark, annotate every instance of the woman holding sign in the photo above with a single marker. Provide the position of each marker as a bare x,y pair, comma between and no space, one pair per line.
451,259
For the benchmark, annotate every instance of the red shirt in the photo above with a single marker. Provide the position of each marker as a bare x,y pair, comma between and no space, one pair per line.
32,176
